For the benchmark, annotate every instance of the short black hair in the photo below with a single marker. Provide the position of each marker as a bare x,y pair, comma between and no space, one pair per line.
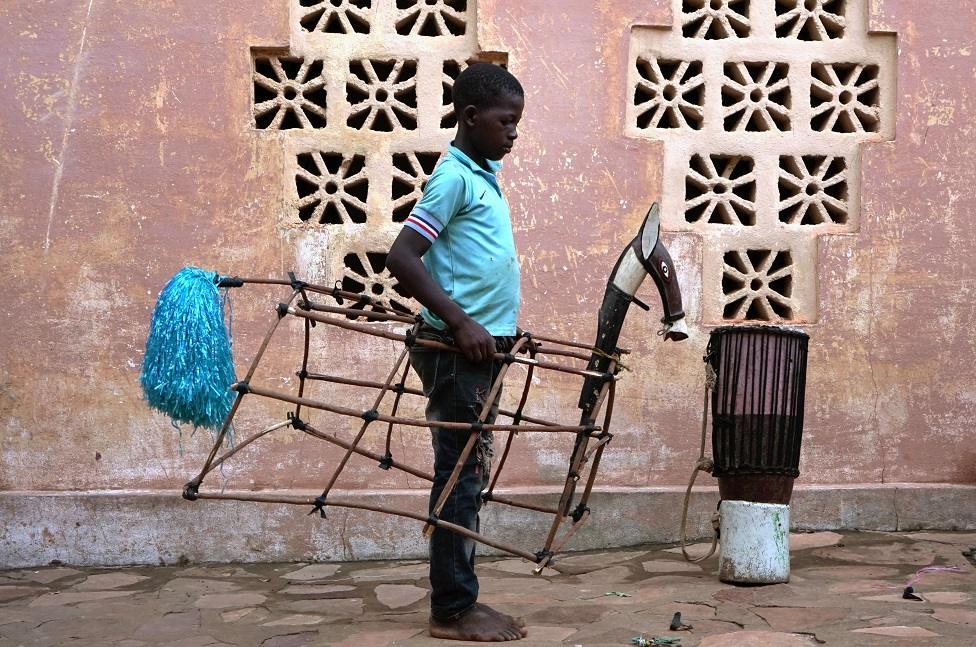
482,85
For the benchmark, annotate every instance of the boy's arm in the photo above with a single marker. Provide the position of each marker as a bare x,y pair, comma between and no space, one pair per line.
405,265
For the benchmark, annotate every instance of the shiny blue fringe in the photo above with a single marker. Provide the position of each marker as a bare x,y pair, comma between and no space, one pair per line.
188,365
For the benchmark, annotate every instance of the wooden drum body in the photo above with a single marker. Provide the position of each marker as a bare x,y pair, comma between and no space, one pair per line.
757,410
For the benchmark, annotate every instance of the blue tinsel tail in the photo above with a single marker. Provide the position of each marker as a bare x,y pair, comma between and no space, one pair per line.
188,365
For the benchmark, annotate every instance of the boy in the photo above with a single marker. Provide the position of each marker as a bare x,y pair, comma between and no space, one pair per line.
456,256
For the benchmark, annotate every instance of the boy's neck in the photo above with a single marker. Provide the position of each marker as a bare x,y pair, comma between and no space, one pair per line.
463,142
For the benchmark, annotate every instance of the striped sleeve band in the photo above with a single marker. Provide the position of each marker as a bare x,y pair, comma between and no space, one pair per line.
423,224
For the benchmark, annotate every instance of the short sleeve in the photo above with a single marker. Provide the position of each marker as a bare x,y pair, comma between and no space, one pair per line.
444,197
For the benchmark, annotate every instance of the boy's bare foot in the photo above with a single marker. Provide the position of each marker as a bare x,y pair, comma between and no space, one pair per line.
481,624
516,622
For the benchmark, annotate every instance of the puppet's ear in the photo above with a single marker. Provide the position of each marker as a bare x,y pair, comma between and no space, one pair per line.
650,231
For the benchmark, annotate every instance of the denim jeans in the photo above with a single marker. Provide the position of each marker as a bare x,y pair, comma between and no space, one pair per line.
456,391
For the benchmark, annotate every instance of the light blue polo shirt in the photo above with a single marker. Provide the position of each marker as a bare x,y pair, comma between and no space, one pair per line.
472,253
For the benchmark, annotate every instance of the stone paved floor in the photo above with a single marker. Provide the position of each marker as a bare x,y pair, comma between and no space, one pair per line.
845,590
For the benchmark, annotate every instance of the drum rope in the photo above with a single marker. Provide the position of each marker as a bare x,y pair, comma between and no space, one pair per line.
704,464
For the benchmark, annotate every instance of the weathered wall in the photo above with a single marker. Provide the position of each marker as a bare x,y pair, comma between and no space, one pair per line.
131,148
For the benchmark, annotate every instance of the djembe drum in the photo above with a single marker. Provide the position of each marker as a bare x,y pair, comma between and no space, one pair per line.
757,423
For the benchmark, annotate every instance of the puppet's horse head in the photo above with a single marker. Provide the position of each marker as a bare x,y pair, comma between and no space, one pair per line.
644,255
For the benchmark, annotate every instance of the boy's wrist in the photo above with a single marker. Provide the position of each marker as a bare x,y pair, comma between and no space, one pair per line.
456,322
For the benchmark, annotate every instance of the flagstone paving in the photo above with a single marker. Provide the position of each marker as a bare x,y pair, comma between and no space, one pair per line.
845,589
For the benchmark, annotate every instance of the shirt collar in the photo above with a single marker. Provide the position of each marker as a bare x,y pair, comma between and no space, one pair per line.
458,154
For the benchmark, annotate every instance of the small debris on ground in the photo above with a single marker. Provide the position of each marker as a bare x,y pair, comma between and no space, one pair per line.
677,625
909,594
654,641
970,555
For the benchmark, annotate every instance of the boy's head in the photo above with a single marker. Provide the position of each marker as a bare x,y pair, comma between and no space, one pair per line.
488,102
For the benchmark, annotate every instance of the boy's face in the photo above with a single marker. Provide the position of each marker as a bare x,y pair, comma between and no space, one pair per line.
494,129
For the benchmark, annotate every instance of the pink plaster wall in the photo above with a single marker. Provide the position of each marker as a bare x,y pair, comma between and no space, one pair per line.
123,160
894,352
128,153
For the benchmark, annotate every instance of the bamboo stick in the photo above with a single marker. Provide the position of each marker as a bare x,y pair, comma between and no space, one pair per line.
445,347
407,422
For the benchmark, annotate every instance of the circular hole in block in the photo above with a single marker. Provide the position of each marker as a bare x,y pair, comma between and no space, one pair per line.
716,5
810,5
756,95
756,285
846,96
381,95
813,189
331,188
377,289
337,3
290,93
431,2
719,188
670,93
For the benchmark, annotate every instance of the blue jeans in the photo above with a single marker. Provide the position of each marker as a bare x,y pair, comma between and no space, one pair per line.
456,391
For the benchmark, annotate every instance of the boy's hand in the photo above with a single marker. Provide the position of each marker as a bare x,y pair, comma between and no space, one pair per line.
474,341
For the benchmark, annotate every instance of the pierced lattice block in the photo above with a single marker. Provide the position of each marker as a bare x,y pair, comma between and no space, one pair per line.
335,16
383,94
332,188
748,164
366,273
755,275
721,189
410,174
811,19
715,19
757,285
845,97
431,17
289,92
669,94
756,96
451,71
813,190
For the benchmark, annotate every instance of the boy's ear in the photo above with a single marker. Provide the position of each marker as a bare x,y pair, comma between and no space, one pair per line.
469,115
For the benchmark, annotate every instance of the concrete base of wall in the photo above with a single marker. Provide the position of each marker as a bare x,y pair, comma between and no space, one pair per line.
149,527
